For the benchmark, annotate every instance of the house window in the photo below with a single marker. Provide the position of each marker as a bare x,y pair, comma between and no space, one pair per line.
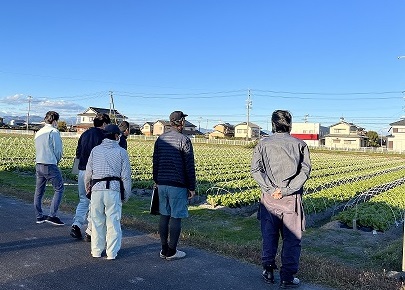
401,130
336,141
338,131
241,131
348,142
91,119
82,119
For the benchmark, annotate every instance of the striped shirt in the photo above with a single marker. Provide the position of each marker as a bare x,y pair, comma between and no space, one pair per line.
108,160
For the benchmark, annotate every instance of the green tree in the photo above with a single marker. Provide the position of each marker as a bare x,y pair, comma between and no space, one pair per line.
62,127
373,139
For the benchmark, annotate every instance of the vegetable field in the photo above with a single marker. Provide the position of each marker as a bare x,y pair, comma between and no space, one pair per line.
368,188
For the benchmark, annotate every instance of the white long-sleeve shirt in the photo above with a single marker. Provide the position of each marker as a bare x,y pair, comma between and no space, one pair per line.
48,145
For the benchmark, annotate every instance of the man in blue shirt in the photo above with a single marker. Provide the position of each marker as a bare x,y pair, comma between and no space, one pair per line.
49,150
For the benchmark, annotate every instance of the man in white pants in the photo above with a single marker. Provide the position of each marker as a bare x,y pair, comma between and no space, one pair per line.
108,180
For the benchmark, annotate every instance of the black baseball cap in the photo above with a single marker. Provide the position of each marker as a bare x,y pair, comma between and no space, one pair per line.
177,116
112,129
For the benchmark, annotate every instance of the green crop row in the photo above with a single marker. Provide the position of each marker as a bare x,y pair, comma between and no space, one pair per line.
379,212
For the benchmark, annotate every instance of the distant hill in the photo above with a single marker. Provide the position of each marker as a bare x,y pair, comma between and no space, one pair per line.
203,130
35,119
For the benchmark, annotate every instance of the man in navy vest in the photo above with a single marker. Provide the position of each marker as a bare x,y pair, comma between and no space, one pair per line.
174,175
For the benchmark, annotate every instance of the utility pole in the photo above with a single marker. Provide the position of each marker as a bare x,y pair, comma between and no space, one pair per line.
248,107
199,122
403,241
112,111
29,109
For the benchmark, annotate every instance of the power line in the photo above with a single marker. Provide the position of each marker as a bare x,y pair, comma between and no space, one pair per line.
329,93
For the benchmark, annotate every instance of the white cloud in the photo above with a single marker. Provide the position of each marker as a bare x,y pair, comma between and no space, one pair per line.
18,105
15,100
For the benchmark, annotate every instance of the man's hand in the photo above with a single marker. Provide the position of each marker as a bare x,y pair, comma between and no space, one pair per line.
88,187
277,194
191,194
127,197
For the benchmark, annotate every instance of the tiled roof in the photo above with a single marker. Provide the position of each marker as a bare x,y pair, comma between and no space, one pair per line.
398,123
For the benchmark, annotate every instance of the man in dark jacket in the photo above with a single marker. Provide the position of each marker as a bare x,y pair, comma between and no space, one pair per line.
124,127
281,165
87,141
174,175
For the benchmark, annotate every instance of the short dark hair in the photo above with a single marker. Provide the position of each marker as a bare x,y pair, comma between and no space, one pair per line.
100,119
51,116
124,125
281,121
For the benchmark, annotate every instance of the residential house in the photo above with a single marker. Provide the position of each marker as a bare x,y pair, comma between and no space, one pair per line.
147,129
311,133
85,119
162,126
396,141
250,131
345,135
18,123
223,130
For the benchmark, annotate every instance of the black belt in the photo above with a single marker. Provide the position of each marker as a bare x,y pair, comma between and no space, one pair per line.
107,186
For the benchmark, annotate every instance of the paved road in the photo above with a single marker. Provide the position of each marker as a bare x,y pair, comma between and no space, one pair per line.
42,256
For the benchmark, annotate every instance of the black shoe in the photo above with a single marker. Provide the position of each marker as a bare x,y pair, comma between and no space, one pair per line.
75,232
55,221
87,237
268,276
290,284
42,219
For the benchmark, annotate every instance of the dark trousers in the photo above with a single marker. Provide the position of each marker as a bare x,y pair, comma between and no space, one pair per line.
275,223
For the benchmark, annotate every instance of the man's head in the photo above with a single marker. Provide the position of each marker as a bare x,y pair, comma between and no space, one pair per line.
177,118
101,120
112,132
281,121
51,117
124,127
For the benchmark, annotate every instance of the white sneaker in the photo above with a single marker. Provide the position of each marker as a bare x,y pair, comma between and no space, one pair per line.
179,254
161,255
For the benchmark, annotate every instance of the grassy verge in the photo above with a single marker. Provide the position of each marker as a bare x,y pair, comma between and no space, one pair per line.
329,256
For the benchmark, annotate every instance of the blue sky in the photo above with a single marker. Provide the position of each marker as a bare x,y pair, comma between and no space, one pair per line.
324,59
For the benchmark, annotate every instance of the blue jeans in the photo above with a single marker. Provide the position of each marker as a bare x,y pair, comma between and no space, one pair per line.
45,173
288,226
83,207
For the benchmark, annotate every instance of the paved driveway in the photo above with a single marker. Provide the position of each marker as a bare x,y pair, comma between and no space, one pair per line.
43,256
